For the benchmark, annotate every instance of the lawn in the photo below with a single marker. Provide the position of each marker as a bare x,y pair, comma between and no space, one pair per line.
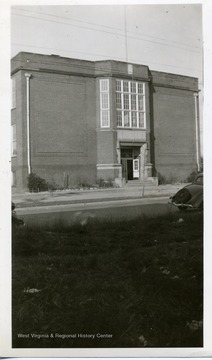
135,283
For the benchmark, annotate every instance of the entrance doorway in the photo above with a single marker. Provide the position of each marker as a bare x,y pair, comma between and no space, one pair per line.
130,162
127,169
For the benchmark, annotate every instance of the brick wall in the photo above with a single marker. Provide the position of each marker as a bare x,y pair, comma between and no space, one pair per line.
63,127
174,132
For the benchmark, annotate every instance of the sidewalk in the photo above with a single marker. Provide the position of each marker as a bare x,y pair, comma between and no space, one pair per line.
74,196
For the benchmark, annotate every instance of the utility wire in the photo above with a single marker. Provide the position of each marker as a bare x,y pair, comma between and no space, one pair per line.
125,33
107,32
104,26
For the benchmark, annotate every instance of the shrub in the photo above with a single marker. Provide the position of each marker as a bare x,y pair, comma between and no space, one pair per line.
105,183
192,176
161,179
83,183
53,186
36,184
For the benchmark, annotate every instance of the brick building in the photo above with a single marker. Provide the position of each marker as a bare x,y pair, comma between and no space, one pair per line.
75,120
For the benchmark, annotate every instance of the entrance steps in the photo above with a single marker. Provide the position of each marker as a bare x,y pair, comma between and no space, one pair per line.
150,182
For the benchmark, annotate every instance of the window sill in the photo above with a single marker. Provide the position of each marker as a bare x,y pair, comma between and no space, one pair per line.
131,128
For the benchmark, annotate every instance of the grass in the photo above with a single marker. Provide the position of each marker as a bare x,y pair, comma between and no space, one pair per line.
137,283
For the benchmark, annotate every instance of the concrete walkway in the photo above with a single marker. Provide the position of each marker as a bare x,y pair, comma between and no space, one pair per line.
73,196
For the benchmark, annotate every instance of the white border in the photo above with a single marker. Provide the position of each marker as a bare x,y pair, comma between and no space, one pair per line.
5,181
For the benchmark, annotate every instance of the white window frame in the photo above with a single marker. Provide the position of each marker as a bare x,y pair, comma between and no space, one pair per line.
13,141
13,93
104,91
13,178
130,110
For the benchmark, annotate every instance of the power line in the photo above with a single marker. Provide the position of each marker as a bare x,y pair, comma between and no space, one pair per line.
103,26
125,30
104,31
68,18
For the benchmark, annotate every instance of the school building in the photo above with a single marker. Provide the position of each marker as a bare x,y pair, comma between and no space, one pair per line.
75,120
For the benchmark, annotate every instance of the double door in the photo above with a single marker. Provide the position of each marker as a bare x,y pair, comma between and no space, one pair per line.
130,169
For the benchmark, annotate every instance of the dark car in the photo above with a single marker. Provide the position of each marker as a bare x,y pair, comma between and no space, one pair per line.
15,219
191,196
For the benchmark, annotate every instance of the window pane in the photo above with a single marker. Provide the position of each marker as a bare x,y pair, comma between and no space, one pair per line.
118,85
133,87
126,153
104,85
105,118
118,101
126,101
14,132
136,165
133,102
134,119
119,118
140,88
126,119
140,102
14,150
13,174
13,93
125,86
141,120
105,102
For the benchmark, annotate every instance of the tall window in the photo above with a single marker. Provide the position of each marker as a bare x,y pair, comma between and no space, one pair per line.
104,103
13,178
13,94
14,150
130,104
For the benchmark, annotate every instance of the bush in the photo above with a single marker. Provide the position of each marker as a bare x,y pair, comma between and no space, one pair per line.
192,176
161,179
83,183
105,183
36,184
